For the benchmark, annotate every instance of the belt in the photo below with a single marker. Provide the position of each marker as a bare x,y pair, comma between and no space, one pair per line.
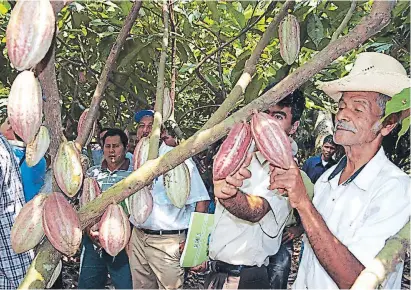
222,267
163,232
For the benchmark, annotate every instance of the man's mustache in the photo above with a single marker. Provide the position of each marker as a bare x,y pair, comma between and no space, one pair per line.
345,126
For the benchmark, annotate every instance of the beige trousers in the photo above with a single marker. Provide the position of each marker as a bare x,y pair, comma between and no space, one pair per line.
155,261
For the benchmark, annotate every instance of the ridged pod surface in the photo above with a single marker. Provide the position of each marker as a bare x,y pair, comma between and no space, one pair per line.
91,190
141,205
114,231
29,32
25,106
232,152
61,224
80,126
167,105
271,140
289,34
177,183
27,230
67,169
36,149
140,154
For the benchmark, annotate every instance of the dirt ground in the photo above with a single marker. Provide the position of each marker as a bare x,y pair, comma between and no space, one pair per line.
196,281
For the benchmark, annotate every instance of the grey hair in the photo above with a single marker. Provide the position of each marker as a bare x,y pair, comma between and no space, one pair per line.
382,102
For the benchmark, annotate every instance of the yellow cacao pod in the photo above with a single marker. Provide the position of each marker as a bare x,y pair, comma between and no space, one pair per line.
167,105
289,34
114,231
80,127
27,230
67,169
29,32
61,224
25,106
177,183
232,152
36,149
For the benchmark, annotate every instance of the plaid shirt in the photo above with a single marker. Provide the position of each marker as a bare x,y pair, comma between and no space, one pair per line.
13,266
107,178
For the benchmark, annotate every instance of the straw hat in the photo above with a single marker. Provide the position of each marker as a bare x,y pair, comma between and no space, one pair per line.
372,72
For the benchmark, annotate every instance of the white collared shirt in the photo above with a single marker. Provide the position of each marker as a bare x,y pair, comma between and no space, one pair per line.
239,242
362,215
165,216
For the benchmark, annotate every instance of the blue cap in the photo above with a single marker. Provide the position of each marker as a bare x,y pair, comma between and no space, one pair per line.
140,114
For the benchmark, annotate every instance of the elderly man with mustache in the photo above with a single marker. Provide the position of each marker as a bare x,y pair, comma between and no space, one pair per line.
364,199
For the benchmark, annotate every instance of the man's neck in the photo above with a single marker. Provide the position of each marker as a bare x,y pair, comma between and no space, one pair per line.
113,167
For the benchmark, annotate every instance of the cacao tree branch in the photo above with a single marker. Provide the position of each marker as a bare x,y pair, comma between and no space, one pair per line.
385,262
195,109
249,70
158,107
110,63
379,17
345,21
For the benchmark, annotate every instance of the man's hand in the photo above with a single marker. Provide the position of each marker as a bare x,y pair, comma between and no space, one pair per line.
93,233
181,247
291,182
200,268
291,233
228,187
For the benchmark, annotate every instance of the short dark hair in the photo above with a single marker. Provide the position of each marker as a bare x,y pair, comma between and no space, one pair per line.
329,139
295,100
116,132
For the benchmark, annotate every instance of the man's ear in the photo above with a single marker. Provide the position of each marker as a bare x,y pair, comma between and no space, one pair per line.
389,124
294,127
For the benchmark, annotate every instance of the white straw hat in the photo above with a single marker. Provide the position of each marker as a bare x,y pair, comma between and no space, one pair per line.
372,72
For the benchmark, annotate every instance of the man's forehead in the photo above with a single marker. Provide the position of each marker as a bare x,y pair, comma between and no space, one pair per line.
146,120
277,108
113,139
365,97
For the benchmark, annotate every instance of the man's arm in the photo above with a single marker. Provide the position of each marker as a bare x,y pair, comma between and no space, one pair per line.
342,266
202,206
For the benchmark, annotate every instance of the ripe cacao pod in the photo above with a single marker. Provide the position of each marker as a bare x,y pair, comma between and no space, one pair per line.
177,183
232,152
167,105
91,190
80,126
61,224
29,32
67,168
36,149
140,154
141,205
27,230
25,106
271,140
114,231
289,34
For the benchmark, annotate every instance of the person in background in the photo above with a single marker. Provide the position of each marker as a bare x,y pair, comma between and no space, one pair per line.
32,177
315,166
13,267
95,263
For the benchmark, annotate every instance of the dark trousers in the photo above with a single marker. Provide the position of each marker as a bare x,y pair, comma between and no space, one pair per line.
95,266
279,267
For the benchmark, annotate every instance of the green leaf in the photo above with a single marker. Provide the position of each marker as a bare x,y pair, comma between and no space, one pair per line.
3,9
398,103
253,89
315,29
212,6
405,126
238,16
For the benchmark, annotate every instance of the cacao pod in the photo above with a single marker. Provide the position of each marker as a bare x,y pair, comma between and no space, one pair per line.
177,183
27,230
55,275
36,149
29,32
61,224
85,162
91,190
289,34
114,231
67,168
271,140
167,105
140,154
80,127
25,106
232,152
141,205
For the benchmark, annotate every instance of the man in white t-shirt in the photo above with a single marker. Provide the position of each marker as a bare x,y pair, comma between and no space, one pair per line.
364,199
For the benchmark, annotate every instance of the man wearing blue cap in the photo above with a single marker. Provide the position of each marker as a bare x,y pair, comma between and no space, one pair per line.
144,118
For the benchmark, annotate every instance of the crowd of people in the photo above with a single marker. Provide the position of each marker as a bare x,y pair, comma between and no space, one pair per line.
344,209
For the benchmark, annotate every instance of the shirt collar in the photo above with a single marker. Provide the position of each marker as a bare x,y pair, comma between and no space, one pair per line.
124,166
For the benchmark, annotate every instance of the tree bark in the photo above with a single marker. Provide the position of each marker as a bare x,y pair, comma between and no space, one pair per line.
369,25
